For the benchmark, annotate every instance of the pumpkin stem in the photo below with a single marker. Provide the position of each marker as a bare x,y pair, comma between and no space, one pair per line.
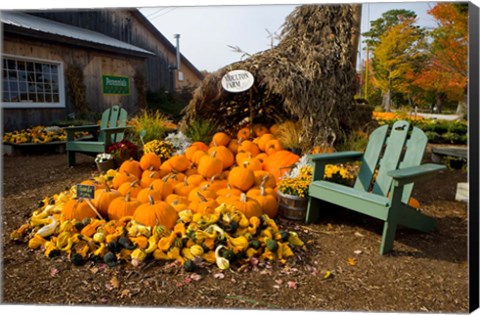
127,197
150,200
202,197
152,174
243,197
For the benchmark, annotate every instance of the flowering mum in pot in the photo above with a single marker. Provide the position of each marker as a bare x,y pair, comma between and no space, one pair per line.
123,150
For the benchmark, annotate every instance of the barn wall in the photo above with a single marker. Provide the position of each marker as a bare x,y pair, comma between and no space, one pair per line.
93,63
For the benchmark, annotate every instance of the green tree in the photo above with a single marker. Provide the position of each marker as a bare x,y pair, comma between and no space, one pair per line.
398,54
379,26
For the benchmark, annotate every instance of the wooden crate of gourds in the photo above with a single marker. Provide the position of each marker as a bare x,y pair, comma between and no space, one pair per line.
215,203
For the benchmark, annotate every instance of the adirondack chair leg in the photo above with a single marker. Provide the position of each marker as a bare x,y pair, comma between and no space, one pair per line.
71,158
388,236
313,210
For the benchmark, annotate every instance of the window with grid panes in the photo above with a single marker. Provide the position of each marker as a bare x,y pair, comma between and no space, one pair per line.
32,83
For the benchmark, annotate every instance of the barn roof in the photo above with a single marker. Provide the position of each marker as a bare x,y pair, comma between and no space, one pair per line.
22,22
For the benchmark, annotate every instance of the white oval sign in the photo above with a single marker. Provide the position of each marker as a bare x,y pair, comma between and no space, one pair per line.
237,81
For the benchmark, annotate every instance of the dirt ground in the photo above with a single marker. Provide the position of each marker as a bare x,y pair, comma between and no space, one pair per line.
424,272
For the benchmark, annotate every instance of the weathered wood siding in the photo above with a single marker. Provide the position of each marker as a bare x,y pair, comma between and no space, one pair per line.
94,65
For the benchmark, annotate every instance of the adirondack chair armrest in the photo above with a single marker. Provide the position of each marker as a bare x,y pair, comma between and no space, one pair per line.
320,160
336,157
71,130
415,173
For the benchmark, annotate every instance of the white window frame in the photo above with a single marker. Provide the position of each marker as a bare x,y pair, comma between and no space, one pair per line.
34,105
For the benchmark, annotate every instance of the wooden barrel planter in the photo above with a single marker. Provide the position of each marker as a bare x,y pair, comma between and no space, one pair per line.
292,207
105,165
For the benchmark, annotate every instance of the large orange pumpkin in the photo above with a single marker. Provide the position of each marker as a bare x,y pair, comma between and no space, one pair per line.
250,207
220,138
145,194
103,198
280,162
131,166
268,202
164,186
133,188
249,146
241,178
210,166
122,207
156,213
179,163
121,178
149,160
223,154
77,209
243,133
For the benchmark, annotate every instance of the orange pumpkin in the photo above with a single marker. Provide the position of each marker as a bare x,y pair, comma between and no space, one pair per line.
103,198
229,191
265,178
204,190
243,133
241,178
122,207
242,156
268,202
121,178
150,160
164,186
77,209
145,194
221,139
148,177
249,146
93,182
223,154
203,205
280,162
259,130
233,145
183,188
133,188
250,207
252,163
197,156
131,166
195,179
273,128
200,145
209,166
262,141
179,163
190,151
272,146
156,213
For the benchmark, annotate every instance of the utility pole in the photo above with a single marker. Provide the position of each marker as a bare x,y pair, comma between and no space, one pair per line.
366,75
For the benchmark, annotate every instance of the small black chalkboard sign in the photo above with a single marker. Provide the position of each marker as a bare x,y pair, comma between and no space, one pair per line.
85,191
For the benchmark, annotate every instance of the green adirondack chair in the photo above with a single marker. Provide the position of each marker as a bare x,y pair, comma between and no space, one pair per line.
396,154
111,129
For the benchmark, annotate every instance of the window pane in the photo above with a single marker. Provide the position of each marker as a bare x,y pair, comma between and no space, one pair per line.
11,64
5,86
56,98
41,97
38,67
46,68
14,96
29,66
13,86
12,75
6,97
48,98
22,76
21,65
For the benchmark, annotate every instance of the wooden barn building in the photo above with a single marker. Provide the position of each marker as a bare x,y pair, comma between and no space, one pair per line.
56,63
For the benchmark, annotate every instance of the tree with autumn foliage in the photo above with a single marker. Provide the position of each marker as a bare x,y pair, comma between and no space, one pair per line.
446,71
398,53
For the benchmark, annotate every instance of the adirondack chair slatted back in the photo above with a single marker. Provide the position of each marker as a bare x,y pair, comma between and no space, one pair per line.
113,117
385,151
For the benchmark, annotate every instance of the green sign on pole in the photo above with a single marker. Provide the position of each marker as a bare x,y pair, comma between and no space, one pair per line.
115,85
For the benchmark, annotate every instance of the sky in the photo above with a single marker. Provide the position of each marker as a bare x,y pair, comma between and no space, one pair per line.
207,34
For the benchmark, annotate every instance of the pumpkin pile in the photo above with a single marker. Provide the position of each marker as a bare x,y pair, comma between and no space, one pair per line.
215,203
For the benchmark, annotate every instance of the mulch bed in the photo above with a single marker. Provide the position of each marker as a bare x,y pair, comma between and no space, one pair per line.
424,272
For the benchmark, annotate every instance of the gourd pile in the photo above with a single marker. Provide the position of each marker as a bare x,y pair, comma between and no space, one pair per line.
214,204
39,134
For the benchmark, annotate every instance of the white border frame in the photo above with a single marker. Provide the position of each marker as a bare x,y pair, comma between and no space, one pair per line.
61,86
